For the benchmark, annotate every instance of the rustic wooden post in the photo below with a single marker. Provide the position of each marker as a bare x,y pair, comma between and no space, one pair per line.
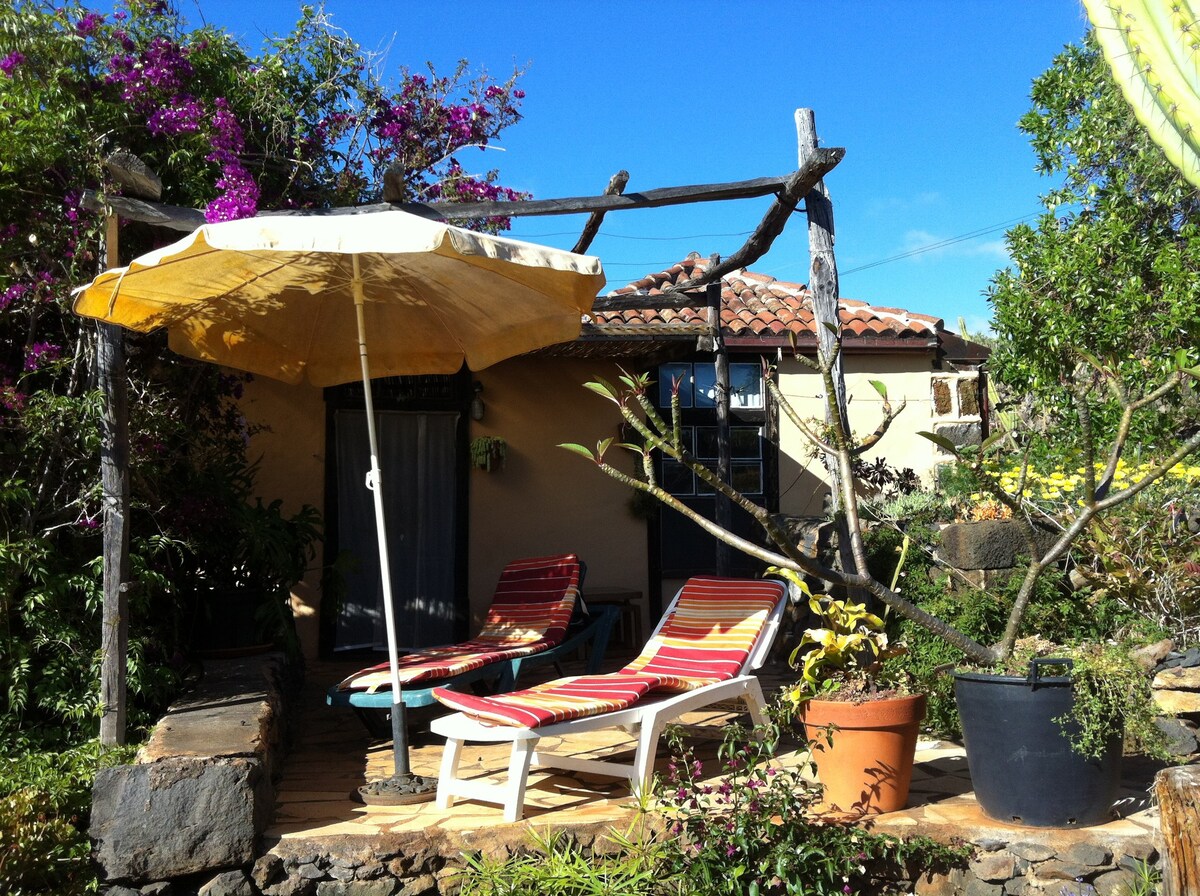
137,178
724,508
114,478
823,284
1178,793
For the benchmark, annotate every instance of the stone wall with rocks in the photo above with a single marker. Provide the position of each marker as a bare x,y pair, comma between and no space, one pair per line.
1176,689
1031,863
201,791
1045,864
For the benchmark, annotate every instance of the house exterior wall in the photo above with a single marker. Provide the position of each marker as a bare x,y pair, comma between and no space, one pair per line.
291,445
908,377
548,500
545,500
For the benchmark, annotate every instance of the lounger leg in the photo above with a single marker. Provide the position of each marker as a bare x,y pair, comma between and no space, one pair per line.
451,754
755,702
643,760
518,777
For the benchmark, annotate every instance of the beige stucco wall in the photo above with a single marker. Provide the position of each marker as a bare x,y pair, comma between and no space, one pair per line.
545,500
292,448
802,480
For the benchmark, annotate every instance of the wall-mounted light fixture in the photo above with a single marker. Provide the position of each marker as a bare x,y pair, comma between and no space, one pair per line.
477,402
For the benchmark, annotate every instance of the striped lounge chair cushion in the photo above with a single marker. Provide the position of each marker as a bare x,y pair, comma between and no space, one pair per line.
707,638
530,612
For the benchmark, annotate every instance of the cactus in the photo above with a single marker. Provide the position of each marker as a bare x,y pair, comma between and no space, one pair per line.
1151,47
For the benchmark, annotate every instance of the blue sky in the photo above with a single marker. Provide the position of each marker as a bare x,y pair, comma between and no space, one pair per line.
924,96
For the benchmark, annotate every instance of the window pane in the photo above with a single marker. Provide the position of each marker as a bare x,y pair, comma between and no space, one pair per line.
745,386
676,478
667,373
747,478
745,441
687,438
706,386
706,442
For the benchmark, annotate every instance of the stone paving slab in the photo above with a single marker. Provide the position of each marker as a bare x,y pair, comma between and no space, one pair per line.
333,755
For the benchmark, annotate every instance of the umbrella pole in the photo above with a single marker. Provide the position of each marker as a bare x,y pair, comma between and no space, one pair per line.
403,786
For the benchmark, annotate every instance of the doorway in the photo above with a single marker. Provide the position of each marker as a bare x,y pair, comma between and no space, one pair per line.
422,461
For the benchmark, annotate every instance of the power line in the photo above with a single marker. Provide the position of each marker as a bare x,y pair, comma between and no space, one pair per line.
919,250
941,244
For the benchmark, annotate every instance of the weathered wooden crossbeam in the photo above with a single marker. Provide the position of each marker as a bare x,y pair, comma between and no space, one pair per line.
815,168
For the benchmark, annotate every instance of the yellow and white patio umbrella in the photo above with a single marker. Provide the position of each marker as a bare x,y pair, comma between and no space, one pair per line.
299,298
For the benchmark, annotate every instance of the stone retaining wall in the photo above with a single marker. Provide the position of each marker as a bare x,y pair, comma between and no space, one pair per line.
201,791
1035,863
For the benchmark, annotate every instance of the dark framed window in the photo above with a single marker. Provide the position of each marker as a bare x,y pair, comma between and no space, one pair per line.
682,548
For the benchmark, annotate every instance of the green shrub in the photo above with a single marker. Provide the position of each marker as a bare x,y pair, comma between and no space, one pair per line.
1057,613
753,831
559,867
44,846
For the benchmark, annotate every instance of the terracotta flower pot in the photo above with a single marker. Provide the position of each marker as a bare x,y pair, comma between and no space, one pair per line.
868,767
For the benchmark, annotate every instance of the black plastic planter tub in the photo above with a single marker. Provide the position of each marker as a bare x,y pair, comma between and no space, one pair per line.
1022,766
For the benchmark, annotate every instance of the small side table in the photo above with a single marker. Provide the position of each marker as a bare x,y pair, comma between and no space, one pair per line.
628,601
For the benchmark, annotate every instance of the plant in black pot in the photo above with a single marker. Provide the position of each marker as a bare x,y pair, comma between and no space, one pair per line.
1045,743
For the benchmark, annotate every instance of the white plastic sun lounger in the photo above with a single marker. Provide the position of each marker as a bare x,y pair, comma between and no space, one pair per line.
645,719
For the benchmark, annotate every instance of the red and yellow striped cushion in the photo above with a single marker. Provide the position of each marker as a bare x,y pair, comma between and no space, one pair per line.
530,611
706,639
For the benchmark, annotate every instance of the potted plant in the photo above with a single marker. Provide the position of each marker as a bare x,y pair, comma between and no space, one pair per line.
1054,715
860,718
488,453
1101,490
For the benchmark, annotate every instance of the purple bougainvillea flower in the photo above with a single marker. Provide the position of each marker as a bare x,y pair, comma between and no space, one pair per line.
88,24
11,62
40,353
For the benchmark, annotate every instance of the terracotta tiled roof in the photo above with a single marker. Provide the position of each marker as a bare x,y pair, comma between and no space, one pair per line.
758,307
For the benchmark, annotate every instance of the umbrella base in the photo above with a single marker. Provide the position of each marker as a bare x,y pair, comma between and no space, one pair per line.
398,790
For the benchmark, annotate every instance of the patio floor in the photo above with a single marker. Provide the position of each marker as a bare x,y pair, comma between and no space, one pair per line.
332,755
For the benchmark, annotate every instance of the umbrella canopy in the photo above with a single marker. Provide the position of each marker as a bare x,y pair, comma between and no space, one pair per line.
290,297
274,295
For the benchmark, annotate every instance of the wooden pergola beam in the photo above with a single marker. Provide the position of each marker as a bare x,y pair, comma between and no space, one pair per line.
616,186
798,185
814,169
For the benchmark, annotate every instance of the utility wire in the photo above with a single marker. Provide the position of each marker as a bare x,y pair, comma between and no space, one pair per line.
941,244
919,250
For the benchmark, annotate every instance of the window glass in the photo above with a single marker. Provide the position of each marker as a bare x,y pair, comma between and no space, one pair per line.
746,477
667,374
677,479
687,437
706,442
745,441
706,386
745,386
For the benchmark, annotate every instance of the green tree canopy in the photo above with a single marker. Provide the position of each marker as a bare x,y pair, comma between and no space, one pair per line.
1111,267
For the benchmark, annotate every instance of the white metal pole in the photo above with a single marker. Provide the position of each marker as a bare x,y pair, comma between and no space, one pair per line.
374,483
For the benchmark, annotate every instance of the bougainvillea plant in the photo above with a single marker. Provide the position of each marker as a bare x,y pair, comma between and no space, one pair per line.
305,121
